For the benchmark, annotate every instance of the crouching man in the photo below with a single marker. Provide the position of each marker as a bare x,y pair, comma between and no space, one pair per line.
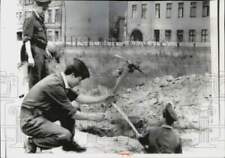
48,102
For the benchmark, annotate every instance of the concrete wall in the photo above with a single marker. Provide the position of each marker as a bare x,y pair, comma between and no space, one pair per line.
116,9
87,19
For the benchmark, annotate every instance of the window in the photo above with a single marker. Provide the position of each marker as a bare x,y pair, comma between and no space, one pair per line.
28,2
205,9
193,9
157,10
180,10
191,35
168,10
89,20
28,14
56,35
134,11
168,35
204,35
19,36
49,16
143,11
57,15
180,35
156,35
19,17
49,35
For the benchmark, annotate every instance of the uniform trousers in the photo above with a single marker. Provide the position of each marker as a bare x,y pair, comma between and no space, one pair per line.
39,70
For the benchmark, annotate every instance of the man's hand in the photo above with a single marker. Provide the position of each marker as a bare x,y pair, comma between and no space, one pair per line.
110,99
109,95
48,53
31,61
76,105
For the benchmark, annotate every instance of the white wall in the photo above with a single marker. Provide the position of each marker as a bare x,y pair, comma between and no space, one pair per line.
87,19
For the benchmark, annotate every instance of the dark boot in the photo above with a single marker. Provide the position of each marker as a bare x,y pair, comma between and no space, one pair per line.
73,146
29,146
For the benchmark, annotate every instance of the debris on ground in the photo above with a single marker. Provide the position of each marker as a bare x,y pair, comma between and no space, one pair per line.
144,104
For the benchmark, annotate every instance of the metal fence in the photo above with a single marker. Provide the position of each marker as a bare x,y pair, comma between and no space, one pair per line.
132,43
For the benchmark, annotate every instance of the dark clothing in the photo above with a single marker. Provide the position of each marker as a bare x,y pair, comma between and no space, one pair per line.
161,140
34,30
46,103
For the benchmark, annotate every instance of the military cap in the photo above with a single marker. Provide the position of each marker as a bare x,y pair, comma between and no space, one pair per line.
42,2
170,112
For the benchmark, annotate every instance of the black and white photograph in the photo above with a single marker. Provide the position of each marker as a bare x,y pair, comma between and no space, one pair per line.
112,78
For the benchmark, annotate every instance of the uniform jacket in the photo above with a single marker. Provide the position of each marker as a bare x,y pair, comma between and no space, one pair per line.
161,140
34,30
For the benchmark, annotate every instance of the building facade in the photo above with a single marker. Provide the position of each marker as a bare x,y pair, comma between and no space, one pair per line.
161,21
169,21
53,18
72,21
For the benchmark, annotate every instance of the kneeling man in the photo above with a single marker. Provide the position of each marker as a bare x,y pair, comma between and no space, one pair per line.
47,102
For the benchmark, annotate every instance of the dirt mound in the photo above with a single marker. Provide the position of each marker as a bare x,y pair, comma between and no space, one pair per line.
144,104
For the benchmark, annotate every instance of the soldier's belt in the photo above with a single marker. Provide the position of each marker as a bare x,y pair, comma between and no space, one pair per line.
39,43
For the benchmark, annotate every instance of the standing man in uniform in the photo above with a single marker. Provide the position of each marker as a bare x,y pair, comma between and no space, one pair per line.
35,40
163,139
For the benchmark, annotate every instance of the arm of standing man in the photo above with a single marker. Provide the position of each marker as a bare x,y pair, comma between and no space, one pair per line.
28,28
30,57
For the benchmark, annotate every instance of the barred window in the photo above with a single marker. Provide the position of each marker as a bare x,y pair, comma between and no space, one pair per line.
192,36
157,10
143,11
168,10
180,35
168,35
180,10
205,9
204,35
134,10
193,9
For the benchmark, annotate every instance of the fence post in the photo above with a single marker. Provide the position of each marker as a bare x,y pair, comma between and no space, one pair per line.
76,42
